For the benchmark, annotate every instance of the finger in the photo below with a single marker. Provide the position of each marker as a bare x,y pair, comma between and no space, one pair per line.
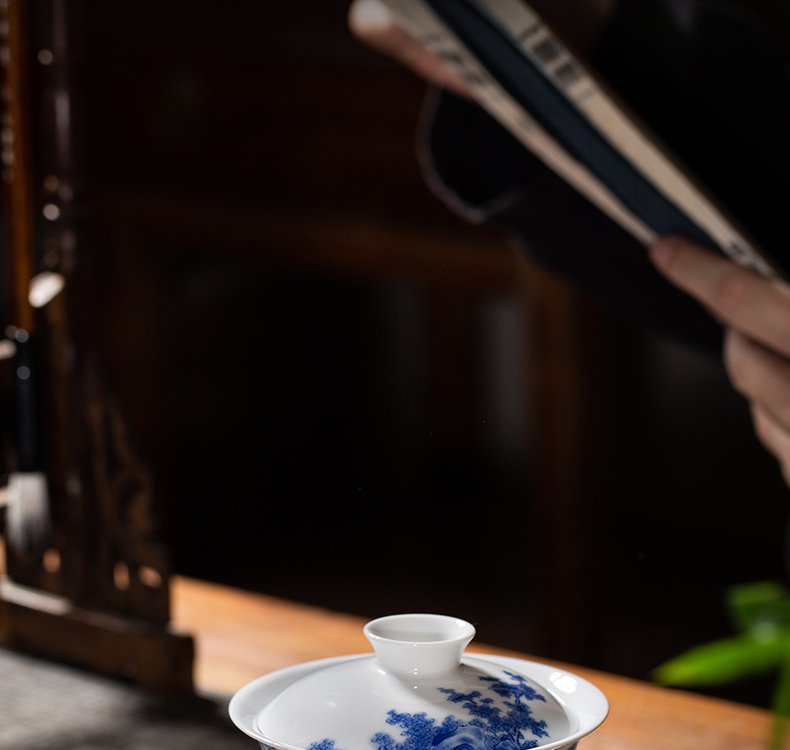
758,307
759,374
774,437
372,23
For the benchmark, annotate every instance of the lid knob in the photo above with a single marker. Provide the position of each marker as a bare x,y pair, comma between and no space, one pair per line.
419,645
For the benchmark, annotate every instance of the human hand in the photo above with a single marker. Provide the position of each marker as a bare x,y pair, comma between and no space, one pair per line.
373,24
756,314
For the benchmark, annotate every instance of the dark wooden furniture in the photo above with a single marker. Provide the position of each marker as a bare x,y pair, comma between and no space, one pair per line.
225,179
96,591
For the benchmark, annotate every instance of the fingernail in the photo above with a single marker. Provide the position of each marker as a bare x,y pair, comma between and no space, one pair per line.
663,252
370,15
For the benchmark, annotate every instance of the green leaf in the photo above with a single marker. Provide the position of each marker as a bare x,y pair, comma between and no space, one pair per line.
725,661
755,603
781,701
780,709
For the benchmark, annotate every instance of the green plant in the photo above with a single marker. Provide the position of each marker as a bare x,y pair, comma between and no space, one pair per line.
761,613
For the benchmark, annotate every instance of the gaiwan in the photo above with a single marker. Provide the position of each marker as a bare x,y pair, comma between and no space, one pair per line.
419,691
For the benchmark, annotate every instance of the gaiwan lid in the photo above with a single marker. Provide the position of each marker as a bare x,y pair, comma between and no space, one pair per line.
419,691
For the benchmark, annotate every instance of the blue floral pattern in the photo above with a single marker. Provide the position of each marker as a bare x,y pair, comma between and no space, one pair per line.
488,728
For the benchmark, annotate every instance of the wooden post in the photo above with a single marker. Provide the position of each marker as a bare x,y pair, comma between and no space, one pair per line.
567,398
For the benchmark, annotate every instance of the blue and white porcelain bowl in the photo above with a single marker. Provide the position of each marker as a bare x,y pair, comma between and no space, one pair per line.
419,691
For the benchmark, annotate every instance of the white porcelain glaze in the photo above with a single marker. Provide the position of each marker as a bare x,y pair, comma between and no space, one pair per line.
419,645
418,692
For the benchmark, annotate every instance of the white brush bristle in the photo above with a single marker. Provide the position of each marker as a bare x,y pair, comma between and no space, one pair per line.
27,516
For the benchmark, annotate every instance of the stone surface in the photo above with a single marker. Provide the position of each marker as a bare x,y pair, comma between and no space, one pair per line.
45,706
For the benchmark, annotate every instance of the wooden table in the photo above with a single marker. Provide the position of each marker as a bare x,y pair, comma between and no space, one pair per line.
240,636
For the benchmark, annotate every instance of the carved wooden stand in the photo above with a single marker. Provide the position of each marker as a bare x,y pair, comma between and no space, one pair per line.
96,591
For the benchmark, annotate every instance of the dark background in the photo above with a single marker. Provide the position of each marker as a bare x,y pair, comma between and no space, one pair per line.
330,375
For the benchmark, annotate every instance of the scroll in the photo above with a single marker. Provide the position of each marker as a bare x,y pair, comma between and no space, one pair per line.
523,75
